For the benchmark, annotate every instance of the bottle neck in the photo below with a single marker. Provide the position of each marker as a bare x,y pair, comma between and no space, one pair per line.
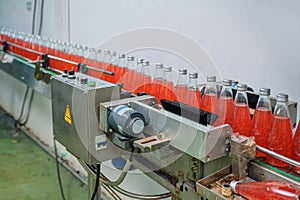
193,83
182,80
226,92
130,64
241,98
264,102
211,88
281,109
168,76
122,62
159,73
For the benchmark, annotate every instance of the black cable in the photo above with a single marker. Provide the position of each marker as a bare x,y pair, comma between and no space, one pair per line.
22,107
97,182
41,17
33,17
28,110
58,171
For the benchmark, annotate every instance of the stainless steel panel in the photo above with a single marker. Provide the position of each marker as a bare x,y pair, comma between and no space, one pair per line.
82,136
24,72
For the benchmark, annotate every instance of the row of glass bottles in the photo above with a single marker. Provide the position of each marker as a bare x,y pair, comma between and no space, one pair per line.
270,131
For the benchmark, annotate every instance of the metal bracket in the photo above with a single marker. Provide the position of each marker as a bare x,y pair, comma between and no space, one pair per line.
242,149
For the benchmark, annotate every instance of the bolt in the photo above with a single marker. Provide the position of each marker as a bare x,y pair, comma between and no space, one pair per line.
128,105
227,141
111,109
110,130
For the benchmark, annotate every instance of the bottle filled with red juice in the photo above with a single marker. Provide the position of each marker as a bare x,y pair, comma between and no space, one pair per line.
106,65
157,81
145,78
128,76
240,118
121,68
210,98
262,120
280,138
225,104
167,90
137,75
296,148
193,97
181,85
265,190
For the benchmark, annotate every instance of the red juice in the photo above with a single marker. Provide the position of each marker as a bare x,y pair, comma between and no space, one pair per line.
156,88
267,190
280,140
261,127
193,98
209,102
181,91
167,91
224,110
240,119
296,148
127,79
145,83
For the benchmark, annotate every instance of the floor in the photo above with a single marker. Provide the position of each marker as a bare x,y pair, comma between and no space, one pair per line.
27,172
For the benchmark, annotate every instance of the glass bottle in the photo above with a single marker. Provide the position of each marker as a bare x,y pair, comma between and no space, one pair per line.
137,75
280,139
121,67
240,119
225,104
157,81
296,148
128,76
106,64
210,97
181,85
265,190
146,78
167,90
262,120
193,94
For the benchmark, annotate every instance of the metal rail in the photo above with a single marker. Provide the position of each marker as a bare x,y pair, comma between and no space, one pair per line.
278,156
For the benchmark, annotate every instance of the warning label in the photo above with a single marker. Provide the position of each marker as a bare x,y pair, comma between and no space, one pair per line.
68,115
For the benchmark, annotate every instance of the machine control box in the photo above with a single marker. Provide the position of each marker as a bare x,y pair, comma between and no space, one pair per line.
75,114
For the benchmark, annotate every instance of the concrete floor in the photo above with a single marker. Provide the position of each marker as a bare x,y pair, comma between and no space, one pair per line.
27,172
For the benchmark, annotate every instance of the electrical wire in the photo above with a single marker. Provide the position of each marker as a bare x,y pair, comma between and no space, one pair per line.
97,182
58,171
104,179
33,17
22,107
41,17
28,110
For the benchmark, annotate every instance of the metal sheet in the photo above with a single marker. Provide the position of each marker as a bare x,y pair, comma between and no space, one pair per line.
24,72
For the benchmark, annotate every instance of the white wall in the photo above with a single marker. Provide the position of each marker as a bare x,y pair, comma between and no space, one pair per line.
253,41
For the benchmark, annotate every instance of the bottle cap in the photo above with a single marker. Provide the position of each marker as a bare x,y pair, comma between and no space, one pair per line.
107,52
227,82
193,75
98,51
159,65
282,97
146,63
113,53
182,71
140,61
130,58
211,78
168,69
265,91
233,184
242,87
122,55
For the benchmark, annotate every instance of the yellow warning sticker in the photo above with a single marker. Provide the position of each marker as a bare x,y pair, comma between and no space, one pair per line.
68,115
